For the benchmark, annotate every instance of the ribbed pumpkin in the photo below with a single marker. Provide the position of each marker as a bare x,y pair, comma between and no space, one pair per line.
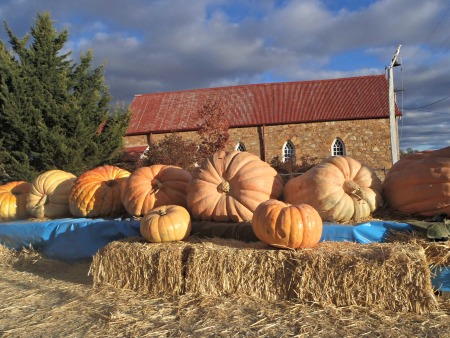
96,192
420,183
13,200
166,223
287,226
154,186
49,194
229,186
340,188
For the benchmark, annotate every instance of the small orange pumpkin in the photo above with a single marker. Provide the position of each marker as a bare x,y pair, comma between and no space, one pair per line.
166,223
154,186
287,226
340,188
13,200
49,194
228,187
420,183
96,193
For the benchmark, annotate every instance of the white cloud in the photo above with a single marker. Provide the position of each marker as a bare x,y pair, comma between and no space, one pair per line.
164,45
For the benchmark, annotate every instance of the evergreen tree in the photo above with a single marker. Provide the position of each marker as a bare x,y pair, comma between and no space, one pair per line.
54,113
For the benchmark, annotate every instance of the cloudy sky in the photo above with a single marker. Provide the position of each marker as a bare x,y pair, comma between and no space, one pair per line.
166,45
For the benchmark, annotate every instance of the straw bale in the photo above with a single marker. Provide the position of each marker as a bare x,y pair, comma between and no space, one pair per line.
152,268
385,276
436,252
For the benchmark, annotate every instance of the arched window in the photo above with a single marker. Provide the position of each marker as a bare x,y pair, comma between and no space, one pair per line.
288,152
240,147
338,147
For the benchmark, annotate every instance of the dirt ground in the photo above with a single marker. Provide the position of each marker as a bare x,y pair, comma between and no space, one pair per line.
40,297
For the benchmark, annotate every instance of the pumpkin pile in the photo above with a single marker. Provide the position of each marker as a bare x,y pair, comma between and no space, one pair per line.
228,187
13,200
287,226
96,193
49,194
341,188
420,183
154,186
236,187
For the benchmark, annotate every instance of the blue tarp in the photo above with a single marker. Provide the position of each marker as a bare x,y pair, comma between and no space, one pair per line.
79,238
67,238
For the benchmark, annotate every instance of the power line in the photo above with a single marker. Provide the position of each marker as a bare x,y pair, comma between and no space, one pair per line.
430,104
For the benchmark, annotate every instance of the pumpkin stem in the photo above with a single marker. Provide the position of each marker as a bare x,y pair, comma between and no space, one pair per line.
353,189
110,183
43,200
162,212
223,187
156,184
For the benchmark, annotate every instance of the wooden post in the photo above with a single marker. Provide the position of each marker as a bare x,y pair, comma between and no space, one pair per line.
393,128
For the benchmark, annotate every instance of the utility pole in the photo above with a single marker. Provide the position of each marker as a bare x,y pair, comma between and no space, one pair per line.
393,128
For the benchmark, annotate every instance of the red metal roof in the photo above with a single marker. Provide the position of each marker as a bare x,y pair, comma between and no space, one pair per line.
363,97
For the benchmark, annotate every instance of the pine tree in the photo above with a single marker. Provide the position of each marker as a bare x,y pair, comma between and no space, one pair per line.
54,113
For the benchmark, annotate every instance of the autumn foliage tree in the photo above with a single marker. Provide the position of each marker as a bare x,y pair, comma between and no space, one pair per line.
175,150
171,150
212,127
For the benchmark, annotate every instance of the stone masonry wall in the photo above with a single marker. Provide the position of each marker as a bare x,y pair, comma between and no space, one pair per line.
367,141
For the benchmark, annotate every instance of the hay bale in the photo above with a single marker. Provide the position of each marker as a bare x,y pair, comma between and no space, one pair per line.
155,269
384,276
389,276
436,252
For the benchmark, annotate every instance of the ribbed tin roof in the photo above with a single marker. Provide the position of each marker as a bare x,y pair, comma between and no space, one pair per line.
363,97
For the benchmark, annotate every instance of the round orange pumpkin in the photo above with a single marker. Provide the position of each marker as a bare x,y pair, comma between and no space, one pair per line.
96,192
340,188
49,194
166,223
287,226
13,200
154,186
420,183
229,186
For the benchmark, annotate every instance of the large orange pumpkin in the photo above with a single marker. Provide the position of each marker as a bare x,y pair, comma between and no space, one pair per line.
96,192
13,200
340,188
287,226
229,187
153,186
420,183
166,223
49,194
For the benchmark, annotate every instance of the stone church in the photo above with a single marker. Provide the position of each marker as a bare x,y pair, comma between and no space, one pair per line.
321,118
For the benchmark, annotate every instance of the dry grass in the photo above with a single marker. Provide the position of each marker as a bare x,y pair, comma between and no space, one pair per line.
41,297
48,298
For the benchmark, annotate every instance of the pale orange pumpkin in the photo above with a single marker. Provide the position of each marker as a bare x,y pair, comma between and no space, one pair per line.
49,194
229,186
420,183
154,186
13,200
287,226
166,223
96,192
340,188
